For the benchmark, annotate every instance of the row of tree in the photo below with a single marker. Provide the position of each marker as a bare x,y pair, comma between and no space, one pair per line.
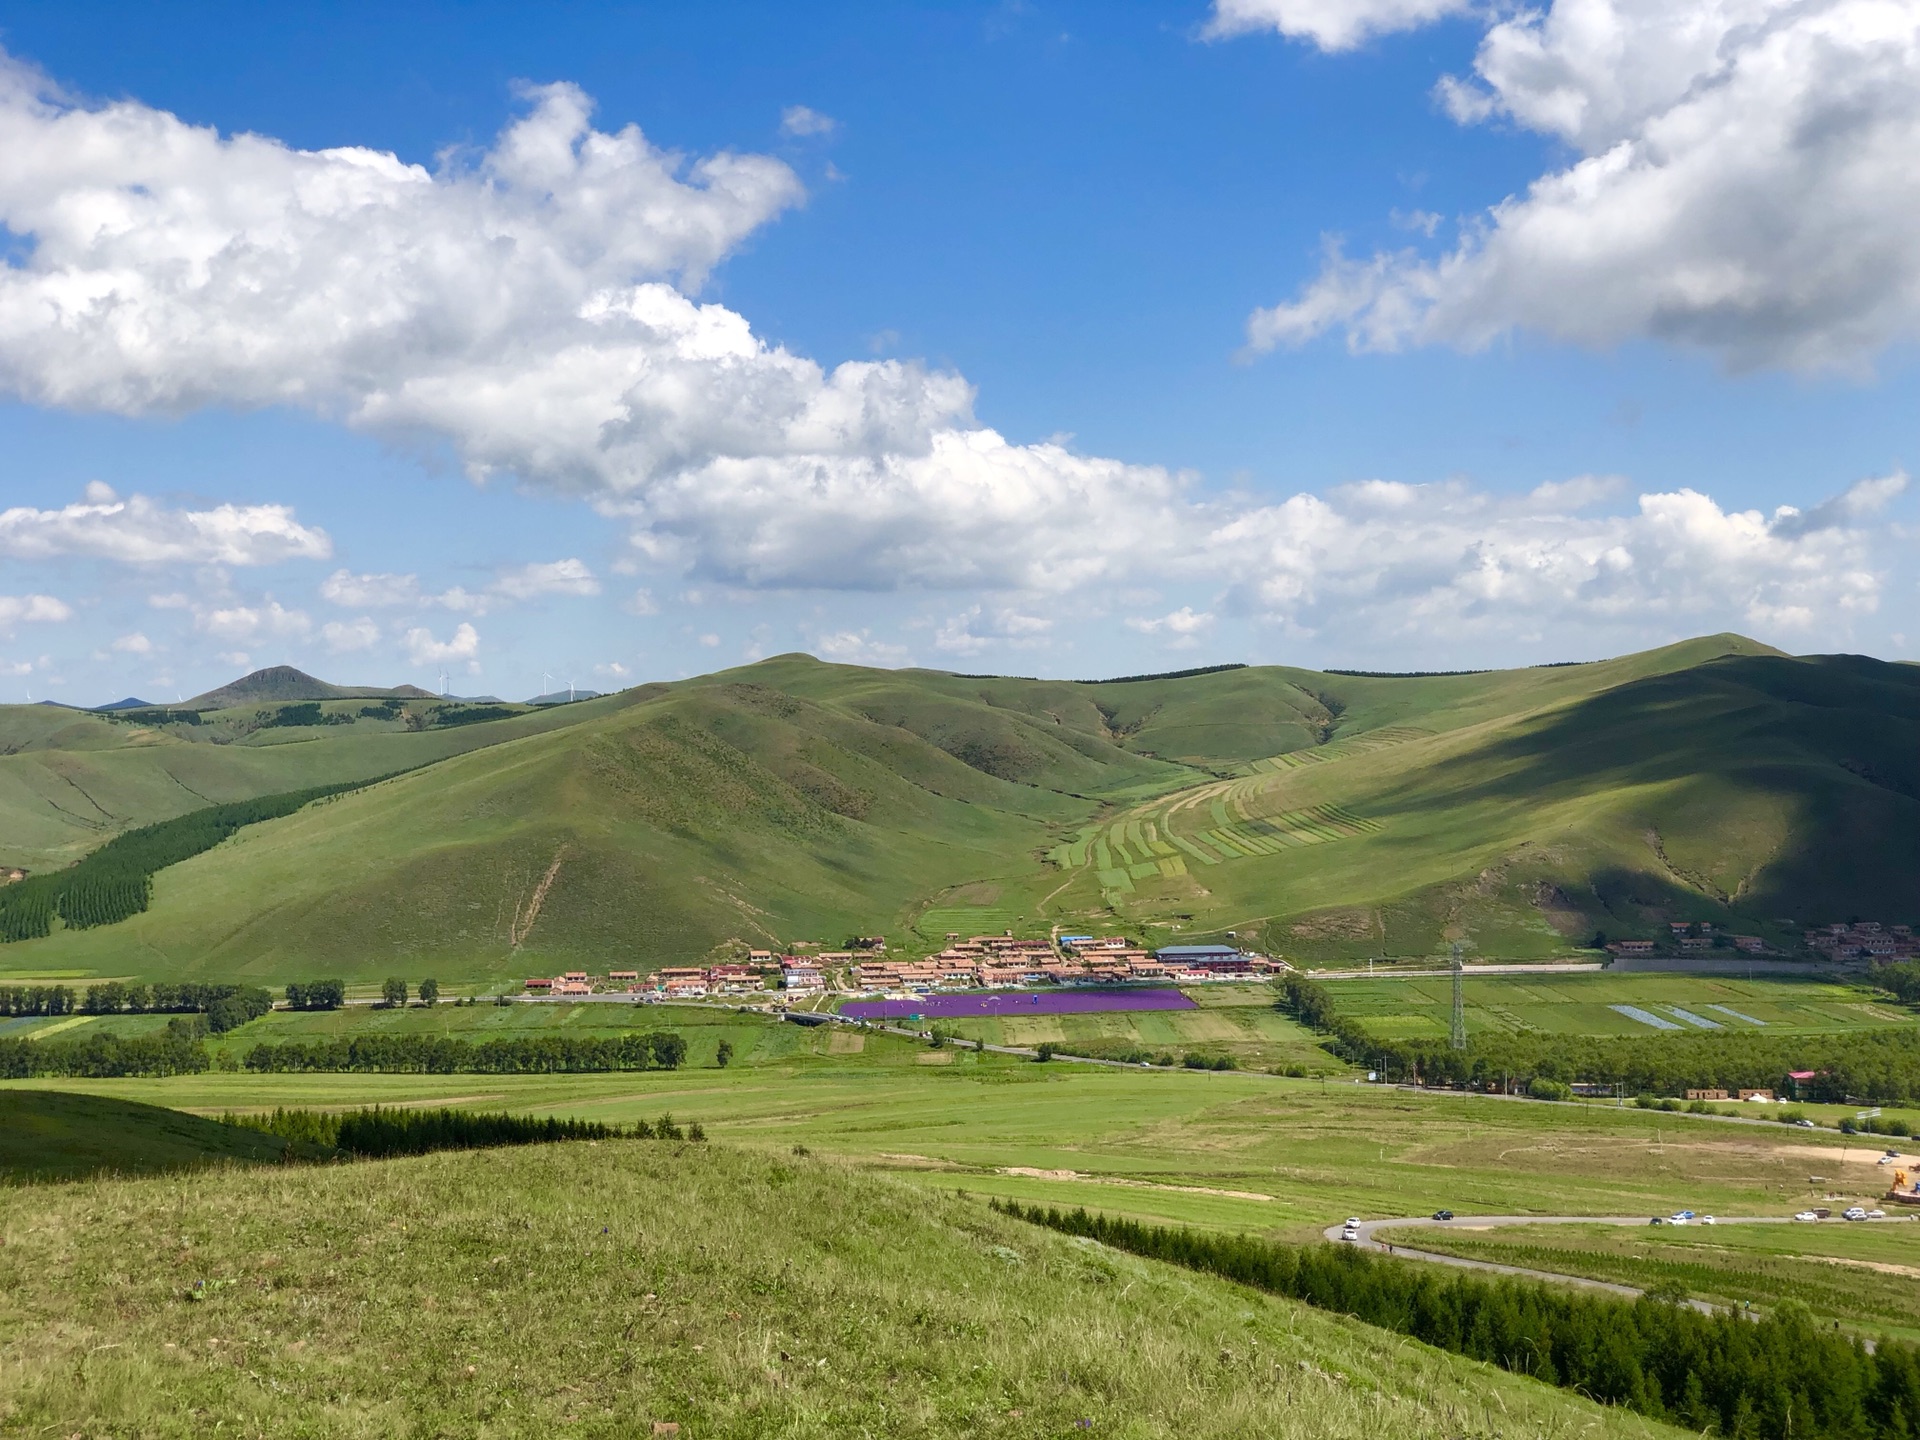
316,994
1780,1377
177,1050
446,1055
225,1006
115,882
378,1132
1881,1066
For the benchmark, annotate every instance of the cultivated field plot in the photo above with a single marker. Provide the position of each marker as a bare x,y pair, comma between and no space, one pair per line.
1601,1004
1865,1274
1006,1003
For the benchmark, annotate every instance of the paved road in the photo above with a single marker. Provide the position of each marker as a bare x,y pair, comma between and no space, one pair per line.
1369,1229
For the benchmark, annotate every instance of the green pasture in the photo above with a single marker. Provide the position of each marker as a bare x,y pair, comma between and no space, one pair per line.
63,1135
1864,1274
1421,1006
1229,1149
617,1288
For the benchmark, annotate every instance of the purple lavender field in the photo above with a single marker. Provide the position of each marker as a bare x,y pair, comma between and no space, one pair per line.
1018,1002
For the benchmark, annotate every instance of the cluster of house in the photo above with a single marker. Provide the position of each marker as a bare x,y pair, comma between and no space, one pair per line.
984,962
989,962
1867,938
1862,938
1691,938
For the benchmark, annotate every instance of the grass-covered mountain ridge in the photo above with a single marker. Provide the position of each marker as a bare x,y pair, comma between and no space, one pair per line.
1323,814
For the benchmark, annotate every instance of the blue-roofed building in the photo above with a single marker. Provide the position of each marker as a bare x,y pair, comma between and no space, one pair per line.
1220,959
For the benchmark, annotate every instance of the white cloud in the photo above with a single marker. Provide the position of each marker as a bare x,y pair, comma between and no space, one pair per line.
613,670
710,640
523,582
799,120
32,610
1183,627
250,622
1330,24
1745,186
357,592
141,531
1383,559
642,603
858,647
558,577
974,630
423,649
133,644
345,636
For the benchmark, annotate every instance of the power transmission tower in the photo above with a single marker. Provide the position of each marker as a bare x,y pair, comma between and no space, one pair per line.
1459,1035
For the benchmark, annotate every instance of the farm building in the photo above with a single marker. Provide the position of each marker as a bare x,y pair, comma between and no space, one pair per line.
1211,959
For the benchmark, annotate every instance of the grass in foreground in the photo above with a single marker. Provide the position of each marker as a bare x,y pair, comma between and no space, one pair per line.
599,1288
50,1135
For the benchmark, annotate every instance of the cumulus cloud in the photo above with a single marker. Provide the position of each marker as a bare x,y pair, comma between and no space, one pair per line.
975,629
32,610
140,531
1330,24
1744,185
1414,560
858,647
1183,627
799,120
423,649
246,623
558,577
343,637
133,644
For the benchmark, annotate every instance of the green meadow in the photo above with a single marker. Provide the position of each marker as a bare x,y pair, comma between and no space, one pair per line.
632,1287
1421,1006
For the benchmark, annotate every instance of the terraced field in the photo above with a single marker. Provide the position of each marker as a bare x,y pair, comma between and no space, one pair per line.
1222,821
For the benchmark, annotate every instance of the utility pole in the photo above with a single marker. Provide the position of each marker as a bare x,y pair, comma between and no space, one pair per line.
1459,1036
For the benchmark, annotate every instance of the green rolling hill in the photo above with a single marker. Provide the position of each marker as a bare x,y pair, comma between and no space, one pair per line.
1328,815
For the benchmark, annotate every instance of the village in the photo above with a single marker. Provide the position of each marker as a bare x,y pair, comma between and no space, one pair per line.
982,962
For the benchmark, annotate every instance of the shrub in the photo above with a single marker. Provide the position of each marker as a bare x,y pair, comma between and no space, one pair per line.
1540,1088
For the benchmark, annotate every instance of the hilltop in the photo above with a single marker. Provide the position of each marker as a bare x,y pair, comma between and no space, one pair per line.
282,683
1321,814
562,1289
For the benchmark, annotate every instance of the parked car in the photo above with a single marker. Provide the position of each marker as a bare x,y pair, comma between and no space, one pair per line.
1854,1212
1876,1214
1806,1215
1684,1215
1443,1214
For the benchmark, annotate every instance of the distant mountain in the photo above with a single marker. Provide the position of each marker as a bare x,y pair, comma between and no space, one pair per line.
132,702
282,683
564,697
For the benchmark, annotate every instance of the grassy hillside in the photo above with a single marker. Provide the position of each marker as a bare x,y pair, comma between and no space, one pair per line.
1329,816
50,1135
599,1289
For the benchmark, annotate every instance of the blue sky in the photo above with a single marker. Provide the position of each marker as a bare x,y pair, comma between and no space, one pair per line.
1110,406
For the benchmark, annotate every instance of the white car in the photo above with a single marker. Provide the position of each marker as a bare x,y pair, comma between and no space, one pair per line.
1876,1214
1352,1232
1854,1212
1707,1220
1353,1222
1806,1215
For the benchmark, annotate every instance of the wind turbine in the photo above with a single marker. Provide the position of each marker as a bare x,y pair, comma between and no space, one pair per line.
569,692
443,682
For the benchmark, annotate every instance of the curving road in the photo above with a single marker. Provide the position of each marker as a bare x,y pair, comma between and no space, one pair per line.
1369,1230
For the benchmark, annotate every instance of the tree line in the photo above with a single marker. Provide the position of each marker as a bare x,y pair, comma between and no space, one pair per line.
225,1006
316,994
1881,1066
379,1132
177,1050
115,882
447,1055
1773,1379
